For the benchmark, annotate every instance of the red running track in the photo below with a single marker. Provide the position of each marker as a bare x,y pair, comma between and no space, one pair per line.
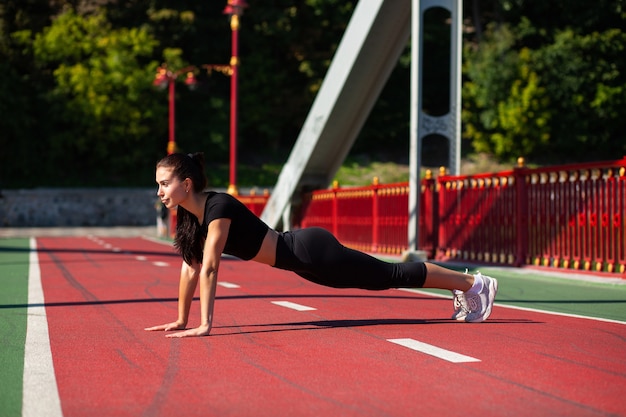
263,359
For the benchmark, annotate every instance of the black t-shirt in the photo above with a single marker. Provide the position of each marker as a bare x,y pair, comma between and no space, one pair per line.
246,232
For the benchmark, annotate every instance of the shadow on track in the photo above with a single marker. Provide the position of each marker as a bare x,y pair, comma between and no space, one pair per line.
347,323
230,297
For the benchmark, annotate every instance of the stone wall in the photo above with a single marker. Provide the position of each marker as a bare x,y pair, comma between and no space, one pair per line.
99,207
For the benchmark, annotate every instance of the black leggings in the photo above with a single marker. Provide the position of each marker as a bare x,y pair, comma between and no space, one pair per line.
316,255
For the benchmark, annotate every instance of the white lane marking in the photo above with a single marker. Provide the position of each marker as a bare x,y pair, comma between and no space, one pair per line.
227,284
293,306
140,258
440,353
40,395
159,263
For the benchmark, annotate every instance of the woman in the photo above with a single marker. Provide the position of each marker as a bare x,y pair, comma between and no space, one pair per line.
209,224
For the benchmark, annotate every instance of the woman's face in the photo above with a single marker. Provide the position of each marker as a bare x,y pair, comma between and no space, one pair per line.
172,191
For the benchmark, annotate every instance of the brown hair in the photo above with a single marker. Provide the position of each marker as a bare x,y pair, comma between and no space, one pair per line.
189,239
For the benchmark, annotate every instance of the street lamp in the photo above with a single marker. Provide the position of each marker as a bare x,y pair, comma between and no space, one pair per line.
234,8
167,79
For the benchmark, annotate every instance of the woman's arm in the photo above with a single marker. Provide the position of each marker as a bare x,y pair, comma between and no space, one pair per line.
213,248
186,288
188,282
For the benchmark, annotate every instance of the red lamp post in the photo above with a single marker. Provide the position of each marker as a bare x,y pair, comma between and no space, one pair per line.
234,9
165,78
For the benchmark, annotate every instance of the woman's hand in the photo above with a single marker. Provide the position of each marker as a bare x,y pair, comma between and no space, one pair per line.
167,327
198,331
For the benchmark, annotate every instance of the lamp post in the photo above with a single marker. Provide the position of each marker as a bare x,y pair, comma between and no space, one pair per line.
234,8
166,78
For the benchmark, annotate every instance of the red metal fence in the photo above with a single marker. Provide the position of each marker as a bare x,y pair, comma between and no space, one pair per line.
571,216
566,217
256,203
372,219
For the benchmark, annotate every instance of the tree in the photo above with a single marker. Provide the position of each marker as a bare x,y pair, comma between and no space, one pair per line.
585,76
557,101
545,80
102,103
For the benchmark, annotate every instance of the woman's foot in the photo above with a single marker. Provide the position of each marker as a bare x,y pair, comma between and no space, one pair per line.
480,304
460,305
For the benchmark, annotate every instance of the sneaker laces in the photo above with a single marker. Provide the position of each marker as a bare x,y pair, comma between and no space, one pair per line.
473,302
459,300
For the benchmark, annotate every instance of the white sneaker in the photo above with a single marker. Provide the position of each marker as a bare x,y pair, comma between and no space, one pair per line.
480,304
460,305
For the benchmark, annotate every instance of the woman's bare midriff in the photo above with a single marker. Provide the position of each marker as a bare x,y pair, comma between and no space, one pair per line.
267,253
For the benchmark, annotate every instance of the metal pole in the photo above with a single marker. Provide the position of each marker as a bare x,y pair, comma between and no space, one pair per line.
415,152
171,144
234,64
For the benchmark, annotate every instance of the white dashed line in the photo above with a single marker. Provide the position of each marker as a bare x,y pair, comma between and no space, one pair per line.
293,306
440,353
228,284
140,258
158,263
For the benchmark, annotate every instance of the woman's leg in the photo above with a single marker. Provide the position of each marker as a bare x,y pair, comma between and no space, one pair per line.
447,279
322,259
317,256
475,302
332,264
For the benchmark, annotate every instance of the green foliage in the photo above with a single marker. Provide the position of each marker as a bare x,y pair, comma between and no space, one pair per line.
542,80
101,106
588,118
560,101
355,173
512,107
286,51
524,117
490,69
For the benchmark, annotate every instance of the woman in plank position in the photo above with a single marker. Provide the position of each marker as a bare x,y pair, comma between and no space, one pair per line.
210,224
